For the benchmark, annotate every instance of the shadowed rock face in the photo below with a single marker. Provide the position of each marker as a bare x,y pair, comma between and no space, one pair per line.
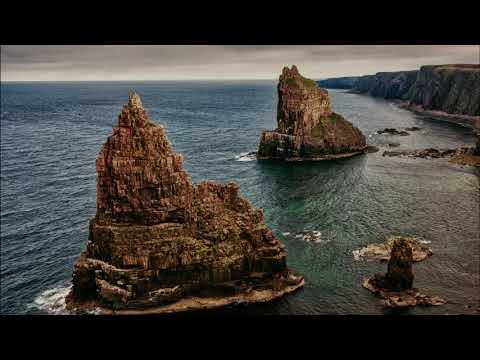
388,85
453,89
157,238
307,127
399,276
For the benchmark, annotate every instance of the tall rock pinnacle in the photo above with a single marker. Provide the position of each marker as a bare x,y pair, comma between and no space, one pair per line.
159,242
307,128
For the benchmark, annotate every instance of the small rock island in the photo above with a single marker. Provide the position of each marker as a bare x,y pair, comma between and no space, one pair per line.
308,129
160,244
396,286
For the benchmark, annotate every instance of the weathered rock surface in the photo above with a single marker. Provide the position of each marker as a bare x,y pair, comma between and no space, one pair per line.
454,89
387,85
382,251
307,127
157,239
345,82
396,286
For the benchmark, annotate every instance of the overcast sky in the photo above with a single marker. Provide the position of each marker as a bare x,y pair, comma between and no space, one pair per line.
187,62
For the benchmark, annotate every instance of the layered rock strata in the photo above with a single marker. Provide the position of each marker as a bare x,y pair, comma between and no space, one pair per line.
307,128
387,85
396,286
158,240
452,89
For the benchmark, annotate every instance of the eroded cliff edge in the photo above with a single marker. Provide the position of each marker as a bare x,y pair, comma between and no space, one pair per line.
307,128
445,92
387,85
162,244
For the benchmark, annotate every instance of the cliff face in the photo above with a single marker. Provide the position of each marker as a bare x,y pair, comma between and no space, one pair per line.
307,127
338,83
453,89
157,238
388,85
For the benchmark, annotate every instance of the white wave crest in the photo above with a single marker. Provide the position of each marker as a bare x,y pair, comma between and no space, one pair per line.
52,301
246,156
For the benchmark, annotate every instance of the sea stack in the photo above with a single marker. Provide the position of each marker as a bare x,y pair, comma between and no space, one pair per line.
159,243
396,286
307,128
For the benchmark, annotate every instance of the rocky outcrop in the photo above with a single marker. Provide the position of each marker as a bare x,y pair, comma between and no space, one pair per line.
462,156
338,83
430,153
158,240
396,286
307,127
382,251
387,85
453,89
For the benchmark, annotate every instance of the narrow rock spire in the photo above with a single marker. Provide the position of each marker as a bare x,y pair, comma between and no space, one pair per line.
134,100
133,114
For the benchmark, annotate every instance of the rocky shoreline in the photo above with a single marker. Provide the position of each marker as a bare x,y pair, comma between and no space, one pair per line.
469,121
191,304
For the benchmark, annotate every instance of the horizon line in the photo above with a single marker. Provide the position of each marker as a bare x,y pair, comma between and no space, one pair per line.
143,80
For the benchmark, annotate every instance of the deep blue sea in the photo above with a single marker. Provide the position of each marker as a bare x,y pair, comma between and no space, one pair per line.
52,132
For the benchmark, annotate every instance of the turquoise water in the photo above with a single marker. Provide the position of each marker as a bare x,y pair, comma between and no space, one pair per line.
51,133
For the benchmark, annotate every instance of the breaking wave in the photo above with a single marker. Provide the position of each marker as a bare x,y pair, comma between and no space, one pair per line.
246,156
52,301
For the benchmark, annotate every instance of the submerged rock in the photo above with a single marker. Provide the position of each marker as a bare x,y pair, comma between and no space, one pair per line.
396,286
393,131
159,243
462,156
413,128
382,251
307,127
393,144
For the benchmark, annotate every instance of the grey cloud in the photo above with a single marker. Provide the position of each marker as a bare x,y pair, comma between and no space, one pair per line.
95,62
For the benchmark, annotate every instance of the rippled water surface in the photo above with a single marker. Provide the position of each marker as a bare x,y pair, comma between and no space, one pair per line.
51,133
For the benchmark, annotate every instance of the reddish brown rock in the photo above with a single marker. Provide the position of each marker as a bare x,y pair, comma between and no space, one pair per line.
307,127
158,239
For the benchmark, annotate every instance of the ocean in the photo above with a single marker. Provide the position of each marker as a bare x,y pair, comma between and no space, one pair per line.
52,132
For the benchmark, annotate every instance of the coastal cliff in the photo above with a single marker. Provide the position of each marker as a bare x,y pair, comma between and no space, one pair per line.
387,85
307,127
453,89
345,82
159,242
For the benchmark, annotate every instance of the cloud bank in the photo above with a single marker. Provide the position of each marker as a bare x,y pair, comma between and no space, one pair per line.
197,62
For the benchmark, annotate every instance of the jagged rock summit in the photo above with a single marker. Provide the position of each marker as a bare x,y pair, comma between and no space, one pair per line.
307,128
159,243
